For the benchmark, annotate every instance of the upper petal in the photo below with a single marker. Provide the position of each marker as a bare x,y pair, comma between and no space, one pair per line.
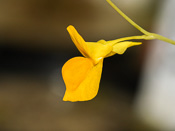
94,50
78,40
85,78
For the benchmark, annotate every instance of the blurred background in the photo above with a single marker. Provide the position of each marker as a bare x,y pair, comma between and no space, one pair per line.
34,45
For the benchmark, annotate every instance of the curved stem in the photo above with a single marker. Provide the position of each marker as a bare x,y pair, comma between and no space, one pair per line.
127,18
147,35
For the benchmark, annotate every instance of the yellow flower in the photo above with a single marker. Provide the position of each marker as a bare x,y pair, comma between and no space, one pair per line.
82,74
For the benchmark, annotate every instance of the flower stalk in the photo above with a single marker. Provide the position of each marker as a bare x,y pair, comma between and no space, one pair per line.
148,35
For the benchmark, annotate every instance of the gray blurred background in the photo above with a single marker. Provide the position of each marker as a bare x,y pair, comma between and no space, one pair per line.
34,45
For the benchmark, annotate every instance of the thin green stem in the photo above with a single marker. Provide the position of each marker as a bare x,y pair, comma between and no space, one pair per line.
147,36
127,18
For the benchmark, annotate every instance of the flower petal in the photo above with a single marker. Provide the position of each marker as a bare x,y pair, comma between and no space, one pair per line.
94,50
82,79
121,47
78,40
75,70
